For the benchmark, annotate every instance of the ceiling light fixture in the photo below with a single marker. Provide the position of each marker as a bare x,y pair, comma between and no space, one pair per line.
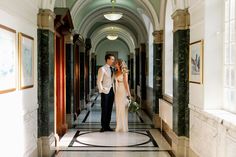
112,36
113,16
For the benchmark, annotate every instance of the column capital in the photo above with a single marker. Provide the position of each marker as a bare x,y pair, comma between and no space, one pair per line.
142,47
131,55
93,55
69,38
181,20
158,37
46,19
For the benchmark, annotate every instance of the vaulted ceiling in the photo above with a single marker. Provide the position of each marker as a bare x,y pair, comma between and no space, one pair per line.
132,28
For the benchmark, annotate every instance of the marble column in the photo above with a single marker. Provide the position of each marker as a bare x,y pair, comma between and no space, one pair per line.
93,72
157,70
69,79
142,60
128,56
137,71
181,72
45,82
87,54
132,72
77,42
82,76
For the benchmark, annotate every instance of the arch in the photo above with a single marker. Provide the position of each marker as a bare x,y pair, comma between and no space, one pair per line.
133,20
46,4
146,5
60,3
120,29
101,34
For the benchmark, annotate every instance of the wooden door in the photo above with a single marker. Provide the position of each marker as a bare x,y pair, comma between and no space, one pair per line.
60,89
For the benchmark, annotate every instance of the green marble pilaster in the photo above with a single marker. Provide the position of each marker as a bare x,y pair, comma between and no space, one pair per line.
142,74
132,71
137,70
45,65
157,70
69,77
69,80
180,73
93,71
87,65
128,56
45,82
82,72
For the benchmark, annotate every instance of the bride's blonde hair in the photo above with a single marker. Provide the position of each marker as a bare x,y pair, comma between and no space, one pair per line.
123,66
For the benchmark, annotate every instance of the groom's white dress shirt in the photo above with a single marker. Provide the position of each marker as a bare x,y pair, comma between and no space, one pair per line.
105,81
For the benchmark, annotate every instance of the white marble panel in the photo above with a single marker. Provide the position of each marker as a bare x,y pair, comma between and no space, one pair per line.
166,112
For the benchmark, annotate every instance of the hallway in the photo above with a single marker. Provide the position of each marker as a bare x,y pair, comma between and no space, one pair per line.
86,140
178,58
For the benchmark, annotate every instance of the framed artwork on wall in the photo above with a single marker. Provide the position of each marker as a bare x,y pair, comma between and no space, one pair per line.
7,59
26,58
196,62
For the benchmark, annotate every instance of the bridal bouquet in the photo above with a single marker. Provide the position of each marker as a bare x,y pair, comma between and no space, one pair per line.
133,106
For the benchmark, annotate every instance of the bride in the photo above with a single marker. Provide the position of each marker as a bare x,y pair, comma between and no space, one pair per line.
122,95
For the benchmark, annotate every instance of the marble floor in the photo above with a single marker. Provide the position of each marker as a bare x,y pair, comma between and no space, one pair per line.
142,140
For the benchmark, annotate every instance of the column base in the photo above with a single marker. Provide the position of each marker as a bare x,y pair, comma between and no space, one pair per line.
156,121
46,146
92,91
179,144
82,104
69,120
132,92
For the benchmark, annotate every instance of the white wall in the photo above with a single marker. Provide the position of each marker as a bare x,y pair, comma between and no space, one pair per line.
108,45
149,49
168,51
18,114
212,130
166,112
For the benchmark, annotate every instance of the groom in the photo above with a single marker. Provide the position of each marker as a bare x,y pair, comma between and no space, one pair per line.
105,83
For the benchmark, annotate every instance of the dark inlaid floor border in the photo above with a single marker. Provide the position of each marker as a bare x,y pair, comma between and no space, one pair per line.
77,134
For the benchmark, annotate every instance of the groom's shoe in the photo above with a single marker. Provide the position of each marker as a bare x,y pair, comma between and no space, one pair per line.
110,129
102,130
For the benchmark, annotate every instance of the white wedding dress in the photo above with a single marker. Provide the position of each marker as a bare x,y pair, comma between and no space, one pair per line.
121,102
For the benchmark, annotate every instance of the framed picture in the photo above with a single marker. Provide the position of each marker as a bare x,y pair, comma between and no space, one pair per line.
7,59
26,57
196,62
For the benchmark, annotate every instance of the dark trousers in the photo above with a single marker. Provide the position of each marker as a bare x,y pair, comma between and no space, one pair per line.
107,101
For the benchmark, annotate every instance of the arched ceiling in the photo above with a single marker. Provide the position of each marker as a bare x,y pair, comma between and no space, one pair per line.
89,21
124,35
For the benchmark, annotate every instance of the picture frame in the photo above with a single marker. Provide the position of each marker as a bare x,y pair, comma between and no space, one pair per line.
196,62
8,61
26,61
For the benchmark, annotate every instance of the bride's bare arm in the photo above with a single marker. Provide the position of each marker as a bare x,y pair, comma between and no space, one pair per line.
126,83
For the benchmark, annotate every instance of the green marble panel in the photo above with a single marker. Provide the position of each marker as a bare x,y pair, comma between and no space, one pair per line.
157,76
181,83
45,82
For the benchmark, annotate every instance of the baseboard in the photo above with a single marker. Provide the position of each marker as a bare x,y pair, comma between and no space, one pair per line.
34,153
179,144
45,146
